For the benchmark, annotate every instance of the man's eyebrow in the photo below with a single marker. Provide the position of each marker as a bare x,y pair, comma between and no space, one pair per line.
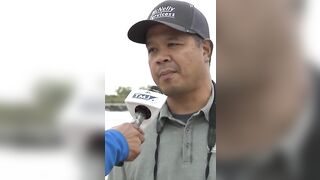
173,38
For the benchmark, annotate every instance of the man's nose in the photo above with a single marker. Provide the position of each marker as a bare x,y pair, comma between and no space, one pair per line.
163,57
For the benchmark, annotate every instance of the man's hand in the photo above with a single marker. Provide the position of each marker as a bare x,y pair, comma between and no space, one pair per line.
134,136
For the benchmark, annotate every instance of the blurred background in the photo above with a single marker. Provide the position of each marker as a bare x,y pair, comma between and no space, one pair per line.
53,58
268,89
310,30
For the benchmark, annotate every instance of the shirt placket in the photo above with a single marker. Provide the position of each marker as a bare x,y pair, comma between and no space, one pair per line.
187,144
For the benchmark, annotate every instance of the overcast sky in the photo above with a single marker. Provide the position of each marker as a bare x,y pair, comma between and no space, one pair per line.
87,41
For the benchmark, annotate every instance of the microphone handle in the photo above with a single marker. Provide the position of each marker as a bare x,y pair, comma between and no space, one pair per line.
138,118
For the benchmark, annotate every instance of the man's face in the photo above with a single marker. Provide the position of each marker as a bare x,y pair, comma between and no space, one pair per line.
178,63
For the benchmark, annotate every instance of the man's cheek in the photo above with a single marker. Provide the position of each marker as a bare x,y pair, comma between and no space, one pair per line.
154,76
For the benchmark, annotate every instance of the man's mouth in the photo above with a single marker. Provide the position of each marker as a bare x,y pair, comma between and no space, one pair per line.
166,74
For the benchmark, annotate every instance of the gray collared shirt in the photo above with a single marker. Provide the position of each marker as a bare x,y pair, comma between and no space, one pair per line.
182,149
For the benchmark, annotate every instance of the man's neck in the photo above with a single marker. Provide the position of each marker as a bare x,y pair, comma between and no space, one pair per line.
192,101
250,123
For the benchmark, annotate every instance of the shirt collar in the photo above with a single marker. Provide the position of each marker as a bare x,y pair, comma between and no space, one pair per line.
166,114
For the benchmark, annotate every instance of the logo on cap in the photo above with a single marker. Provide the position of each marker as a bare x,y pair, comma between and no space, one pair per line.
162,12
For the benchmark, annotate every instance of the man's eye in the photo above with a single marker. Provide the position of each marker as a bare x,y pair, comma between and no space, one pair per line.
150,50
173,44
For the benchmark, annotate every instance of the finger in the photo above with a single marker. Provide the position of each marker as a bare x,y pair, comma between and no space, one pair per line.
137,128
134,122
141,137
140,130
135,125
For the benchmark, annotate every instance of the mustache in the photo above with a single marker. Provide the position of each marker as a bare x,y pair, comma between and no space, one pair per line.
163,70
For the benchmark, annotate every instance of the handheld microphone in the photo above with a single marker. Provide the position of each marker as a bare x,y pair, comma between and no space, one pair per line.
144,104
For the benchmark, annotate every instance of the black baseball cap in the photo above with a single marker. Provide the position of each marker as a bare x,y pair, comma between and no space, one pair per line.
178,15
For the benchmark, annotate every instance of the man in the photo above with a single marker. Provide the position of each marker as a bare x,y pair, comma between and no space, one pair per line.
268,96
177,38
122,143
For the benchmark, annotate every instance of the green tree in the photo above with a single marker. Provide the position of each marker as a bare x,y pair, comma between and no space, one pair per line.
123,91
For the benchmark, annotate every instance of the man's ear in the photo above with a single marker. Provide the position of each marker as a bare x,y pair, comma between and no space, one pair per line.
207,46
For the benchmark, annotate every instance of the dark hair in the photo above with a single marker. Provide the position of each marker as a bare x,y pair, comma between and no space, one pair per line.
199,41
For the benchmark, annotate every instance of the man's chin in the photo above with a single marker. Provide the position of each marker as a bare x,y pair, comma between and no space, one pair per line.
167,89
172,90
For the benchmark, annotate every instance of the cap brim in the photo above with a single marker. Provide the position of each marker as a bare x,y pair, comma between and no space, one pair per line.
137,32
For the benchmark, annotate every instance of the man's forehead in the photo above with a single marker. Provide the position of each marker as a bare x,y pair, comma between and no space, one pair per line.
164,37
164,32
